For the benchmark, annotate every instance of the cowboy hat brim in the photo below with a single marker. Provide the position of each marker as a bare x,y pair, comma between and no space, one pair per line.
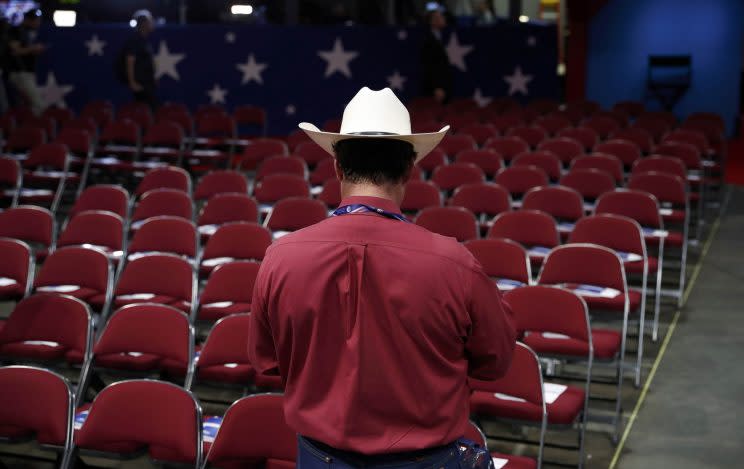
423,144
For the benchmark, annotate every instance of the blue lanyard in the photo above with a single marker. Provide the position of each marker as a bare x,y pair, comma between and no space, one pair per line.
363,208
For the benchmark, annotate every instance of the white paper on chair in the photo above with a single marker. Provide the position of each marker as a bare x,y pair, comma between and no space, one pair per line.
508,284
498,463
44,343
565,227
51,174
208,229
555,335
280,233
158,150
629,256
665,212
316,190
215,261
655,233
34,192
205,152
230,365
539,251
136,225
552,391
595,291
134,354
136,296
218,304
59,288
6,282
507,397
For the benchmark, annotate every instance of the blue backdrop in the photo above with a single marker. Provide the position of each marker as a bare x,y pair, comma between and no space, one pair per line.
625,32
299,73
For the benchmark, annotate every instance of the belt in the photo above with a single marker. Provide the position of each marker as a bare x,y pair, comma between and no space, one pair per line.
375,459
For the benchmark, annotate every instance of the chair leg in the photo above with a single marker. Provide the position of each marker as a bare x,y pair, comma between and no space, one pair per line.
639,359
657,306
682,273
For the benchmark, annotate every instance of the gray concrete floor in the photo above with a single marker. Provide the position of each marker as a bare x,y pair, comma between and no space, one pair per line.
692,415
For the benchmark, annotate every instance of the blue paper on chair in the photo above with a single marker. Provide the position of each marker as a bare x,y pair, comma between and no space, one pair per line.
210,426
508,284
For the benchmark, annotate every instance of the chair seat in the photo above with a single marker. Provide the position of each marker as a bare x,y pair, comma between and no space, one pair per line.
131,361
232,373
81,293
270,382
563,411
123,300
213,313
636,267
613,304
675,216
39,350
606,344
513,461
673,238
13,291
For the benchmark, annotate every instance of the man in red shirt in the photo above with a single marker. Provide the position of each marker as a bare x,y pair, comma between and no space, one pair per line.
373,323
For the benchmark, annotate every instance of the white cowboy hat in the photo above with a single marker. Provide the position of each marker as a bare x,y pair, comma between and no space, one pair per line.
376,114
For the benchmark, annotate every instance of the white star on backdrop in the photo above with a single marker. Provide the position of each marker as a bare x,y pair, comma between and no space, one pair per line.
518,82
251,70
532,41
456,52
290,110
95,46
402,35
230,37
217,94
337,59
396,81
481,100
165,62
52,93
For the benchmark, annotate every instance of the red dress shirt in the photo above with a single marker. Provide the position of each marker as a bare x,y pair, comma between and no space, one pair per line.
374,325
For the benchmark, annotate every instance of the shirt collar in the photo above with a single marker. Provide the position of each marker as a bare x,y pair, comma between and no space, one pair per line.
377,202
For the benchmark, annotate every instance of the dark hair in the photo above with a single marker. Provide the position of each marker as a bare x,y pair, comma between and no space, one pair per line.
375,160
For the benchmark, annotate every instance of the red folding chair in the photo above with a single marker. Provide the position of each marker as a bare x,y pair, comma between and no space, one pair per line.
452,144
226,208
79,143
249,117
282,165
54,331
324,170
220,182
450,177
79,272
259,418
170,177
562,203
330,194
228,290
502,123
479,132
520,179
531,134
420,195
118,145
163,143
484,199
535,230
47,175
165,234
22,140
16,270
213,144
163,417
596,274
504,260
311,152
96,229
543,159
31,224
458,120
294,213
609,164
156,278
624,236
102,197
487,160
161,202
223,359
590,183
145,339
639,137
235,241
454,222
564,148
621,117
603,125
507,147
585,136
37,405
433,160
258,150
626,151
552,123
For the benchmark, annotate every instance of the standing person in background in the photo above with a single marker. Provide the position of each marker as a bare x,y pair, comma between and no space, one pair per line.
137,63
24,51
436,73
4,61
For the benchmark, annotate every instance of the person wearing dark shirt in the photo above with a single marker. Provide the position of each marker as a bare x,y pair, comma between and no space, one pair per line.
139,65
24,50
436,72
373,323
